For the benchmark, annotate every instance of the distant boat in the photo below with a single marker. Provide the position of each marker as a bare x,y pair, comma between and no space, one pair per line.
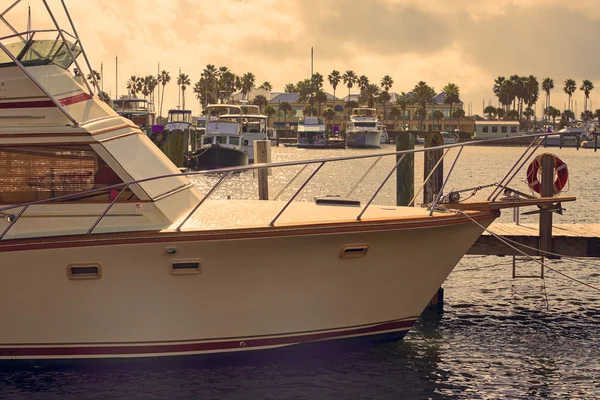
221,144
364,130
311,133
254,127
139,111
569,137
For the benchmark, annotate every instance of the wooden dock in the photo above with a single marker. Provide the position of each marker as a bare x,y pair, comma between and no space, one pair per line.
574,240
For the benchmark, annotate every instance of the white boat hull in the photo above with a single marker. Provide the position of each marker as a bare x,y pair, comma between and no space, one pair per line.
369,139
255,290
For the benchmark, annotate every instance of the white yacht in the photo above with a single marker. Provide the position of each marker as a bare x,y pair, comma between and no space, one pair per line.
363,129
569,137
108,251
220,145
254,128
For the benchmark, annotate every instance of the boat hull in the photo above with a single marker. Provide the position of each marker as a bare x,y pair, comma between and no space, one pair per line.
363,139
254,290
216,157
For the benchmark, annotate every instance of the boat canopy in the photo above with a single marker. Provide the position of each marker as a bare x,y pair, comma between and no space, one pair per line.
40,52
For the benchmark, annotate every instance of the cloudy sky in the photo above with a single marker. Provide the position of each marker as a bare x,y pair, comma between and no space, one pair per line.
466,42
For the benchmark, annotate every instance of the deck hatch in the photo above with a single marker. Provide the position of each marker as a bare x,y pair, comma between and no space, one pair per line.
184,267
84,271
354,251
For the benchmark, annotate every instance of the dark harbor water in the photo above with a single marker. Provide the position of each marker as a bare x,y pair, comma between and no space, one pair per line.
496,338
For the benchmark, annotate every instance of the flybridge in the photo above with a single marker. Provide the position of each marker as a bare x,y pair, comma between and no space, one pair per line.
54,48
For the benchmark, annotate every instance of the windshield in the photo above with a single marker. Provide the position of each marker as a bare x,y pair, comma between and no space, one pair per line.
41,52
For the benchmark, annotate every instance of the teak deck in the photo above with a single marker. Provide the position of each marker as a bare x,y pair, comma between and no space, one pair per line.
575,240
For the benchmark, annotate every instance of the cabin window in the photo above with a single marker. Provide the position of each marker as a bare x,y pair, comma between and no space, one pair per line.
513,129
484,129
38,173
234,141
504,129
207,140
222,139
494,129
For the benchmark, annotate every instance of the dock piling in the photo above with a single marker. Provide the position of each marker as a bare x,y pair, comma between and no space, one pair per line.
262,155
405,173
433,186
547,190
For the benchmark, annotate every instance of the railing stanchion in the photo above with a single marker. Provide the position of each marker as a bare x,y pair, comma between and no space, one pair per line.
291,181
296,193
215,186
439,195
380,186
106,210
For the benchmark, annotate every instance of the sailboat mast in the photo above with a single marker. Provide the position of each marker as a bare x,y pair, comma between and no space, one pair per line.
116,77
312,83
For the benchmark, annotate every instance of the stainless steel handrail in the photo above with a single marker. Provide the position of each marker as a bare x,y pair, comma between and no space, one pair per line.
229,171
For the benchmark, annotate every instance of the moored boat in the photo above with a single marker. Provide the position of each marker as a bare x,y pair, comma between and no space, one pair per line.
254,127
221,143
107,251
363,129
311,133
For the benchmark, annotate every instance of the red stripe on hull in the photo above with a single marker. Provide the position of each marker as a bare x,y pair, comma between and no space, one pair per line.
228,345
67,101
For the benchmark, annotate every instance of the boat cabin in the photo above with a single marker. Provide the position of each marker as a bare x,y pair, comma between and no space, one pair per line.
138,111
364,112
496,129
180,116
224,125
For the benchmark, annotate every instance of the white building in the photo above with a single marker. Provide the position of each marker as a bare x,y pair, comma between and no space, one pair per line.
496,129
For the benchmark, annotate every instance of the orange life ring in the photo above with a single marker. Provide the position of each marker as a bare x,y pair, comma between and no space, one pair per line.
561,173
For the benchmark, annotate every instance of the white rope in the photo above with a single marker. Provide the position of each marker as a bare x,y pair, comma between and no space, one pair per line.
525,254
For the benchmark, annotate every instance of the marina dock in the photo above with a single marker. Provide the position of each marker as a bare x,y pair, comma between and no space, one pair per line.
574,240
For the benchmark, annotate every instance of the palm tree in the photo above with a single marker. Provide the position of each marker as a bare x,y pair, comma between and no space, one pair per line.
351,104
248,80
458,114
290,88
349,79
403,101
362,82
269,112
504,90
569,89
597,115
183,80
94,76
226,85
553,113
198,90
383,99
586,86
500,112
320,98
132,85
260,101
531,91
334,79
424,96
266,86
528,113
420,113
369,95
566,116
490,111
452,95
547,86
329,113
285,107
395,113
386,83
439,115
587,116
511,115
163,79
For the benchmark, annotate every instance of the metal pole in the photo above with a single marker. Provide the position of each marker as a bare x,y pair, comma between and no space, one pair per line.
13,221
296,194
380,187
80,45
106,210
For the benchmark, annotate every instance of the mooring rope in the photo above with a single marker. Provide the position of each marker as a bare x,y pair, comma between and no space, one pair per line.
525,254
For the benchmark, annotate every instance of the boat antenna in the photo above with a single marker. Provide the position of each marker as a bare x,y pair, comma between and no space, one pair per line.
312,82
28,21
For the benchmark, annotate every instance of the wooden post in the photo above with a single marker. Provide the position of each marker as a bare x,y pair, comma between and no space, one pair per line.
595,142
578,141
262,155
431,190
433,186
405,173
547,189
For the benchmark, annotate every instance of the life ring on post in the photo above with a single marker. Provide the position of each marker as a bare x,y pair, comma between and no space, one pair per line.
561,172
